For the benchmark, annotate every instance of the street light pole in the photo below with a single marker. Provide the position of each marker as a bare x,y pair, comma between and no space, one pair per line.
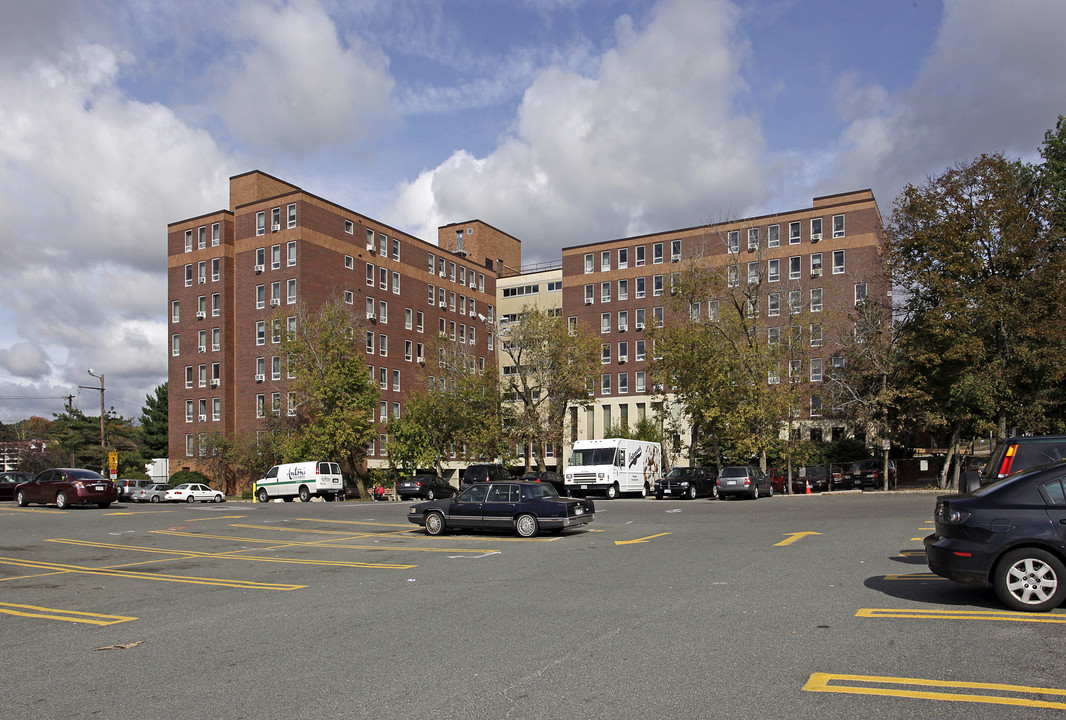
103,447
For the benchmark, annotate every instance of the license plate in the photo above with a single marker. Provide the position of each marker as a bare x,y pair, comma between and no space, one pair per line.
584,487
98,487
666,492
730,482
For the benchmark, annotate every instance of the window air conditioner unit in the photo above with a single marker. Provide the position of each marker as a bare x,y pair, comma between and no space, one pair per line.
274,302
673,291
816,273
622,359
200,314
420,360
215,382
371,317
203,418
260,377
443,305
623,328
640,326
275,227
371,247
203,280
588,301
752,248
202,348
677,258
259,269
815,237
443,274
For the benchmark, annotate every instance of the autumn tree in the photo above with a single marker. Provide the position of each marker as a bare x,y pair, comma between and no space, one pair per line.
547,370
332,397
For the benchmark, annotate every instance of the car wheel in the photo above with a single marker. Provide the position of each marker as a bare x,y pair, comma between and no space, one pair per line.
771,493
155,498
692,492
104,505
755,491
305,494
612,492
219,498
261,495
658,496
1031,580
190,499
61,501
435,524
20,498
430,495
714,492
527,526
329,497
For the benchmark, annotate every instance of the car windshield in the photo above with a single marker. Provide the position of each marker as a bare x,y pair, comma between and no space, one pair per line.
593,456
735,472
678,472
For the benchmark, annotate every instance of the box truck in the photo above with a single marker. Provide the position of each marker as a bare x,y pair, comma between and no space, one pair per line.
612,466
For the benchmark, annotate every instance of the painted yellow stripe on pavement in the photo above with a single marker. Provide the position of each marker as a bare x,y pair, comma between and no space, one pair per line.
911,553
359,522
1002,615
409,532
321,544
915,576
246,585
228,555
34,611
820,682
51,511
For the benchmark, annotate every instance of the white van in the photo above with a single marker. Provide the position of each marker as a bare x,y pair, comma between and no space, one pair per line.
304,480
612,466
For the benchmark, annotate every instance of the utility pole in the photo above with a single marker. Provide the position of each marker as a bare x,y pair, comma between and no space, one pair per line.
103,447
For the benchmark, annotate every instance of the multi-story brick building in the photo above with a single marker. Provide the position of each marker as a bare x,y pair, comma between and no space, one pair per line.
231,272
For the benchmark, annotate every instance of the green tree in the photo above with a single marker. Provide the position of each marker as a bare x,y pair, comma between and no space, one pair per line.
153,433
980,270
549,368
333,397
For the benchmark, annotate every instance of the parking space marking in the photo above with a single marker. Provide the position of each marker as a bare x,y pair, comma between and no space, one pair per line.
229,555
129,574
820,682
793,537
639,540
138,512
915,576
413,533
219,517
34,611
911,553
930,614
323,544
39,510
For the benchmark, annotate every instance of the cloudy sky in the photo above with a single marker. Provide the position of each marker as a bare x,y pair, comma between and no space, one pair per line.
559,121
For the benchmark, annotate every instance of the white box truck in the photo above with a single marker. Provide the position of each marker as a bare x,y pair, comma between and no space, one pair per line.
303,480
612,466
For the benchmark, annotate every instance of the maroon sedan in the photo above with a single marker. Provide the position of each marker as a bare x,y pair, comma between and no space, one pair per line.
66,487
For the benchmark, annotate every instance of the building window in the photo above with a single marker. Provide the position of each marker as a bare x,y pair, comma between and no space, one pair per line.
383,345
188,275
794,265
657,316
816,369
639,259
732,241
175,311
838,262
605,322
349,227
773,336
216,409
838,226
753,239
623,290
290,253
260,223
396,283
589,267
605,385
773,375
753,273
640,382
773,270
657,285
290,292
816,405
816,265
657,253
816,229
370,343
216,339
773,236
623,258
732,276
290,212
675,252
816,299
275,257
860,292
795,302
639,350
605,353
590,294
605,261
260,332
215,266
641,282
605,292
773,304
794,232
623,320
349,297
188,241
623,382
420,321
816,335
175,345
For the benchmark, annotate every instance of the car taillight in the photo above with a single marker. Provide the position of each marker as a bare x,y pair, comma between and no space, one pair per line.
1008,460
418,484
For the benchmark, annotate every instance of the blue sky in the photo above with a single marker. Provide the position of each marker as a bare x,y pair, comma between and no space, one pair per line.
559,121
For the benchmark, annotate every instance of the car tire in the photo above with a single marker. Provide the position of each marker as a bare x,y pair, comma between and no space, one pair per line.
20,498
644,491
1030,580
262,496
329,497
305,494
771,493
103,505
219,498
714,492
691,495
190,499
755,491
61,501
526,525
155,498
288,498
430,495
611,493
435,524
658,496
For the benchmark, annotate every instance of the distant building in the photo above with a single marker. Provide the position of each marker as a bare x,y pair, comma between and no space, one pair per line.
229,272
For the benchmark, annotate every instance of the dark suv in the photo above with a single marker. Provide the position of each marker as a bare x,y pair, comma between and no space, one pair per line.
690,482
485,472
1014,455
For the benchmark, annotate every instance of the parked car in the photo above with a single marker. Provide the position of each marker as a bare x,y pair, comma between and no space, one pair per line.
429,487
817,477
553,478
127,488
66,487
193,492
690,482
153,493
1013,455
1010,534
524,507
868,474
483,472
9,480
744,481
778,478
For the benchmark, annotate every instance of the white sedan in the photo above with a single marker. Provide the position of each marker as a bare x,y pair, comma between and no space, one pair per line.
192,492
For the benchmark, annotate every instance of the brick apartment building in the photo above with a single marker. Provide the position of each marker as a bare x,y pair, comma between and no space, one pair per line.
230,271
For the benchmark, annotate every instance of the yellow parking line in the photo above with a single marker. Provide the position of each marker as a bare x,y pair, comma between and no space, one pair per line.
915,576
933,614
66,615
322,544
39,510
358,522
410,532
911,553
149,576
820,682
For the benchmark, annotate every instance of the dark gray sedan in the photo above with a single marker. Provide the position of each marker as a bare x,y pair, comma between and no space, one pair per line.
524,507
429,487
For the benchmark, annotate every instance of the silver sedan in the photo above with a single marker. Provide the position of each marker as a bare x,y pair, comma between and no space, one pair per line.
152,493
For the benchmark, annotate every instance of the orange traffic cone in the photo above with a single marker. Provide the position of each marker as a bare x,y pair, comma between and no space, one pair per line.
808,488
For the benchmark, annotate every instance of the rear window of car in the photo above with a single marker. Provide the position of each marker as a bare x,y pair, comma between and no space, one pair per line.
735,472
86,475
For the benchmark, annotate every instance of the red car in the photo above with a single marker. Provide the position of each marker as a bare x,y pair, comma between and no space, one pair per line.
66,487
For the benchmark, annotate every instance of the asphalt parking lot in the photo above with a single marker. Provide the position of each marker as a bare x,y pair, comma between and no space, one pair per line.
787,607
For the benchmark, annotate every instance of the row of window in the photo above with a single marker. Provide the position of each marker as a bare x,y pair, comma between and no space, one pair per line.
190,376
380,247
275,294
275,257
450,270
275,219
191,407
794,267
200,238
533,289
201,307
201,342
773,234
